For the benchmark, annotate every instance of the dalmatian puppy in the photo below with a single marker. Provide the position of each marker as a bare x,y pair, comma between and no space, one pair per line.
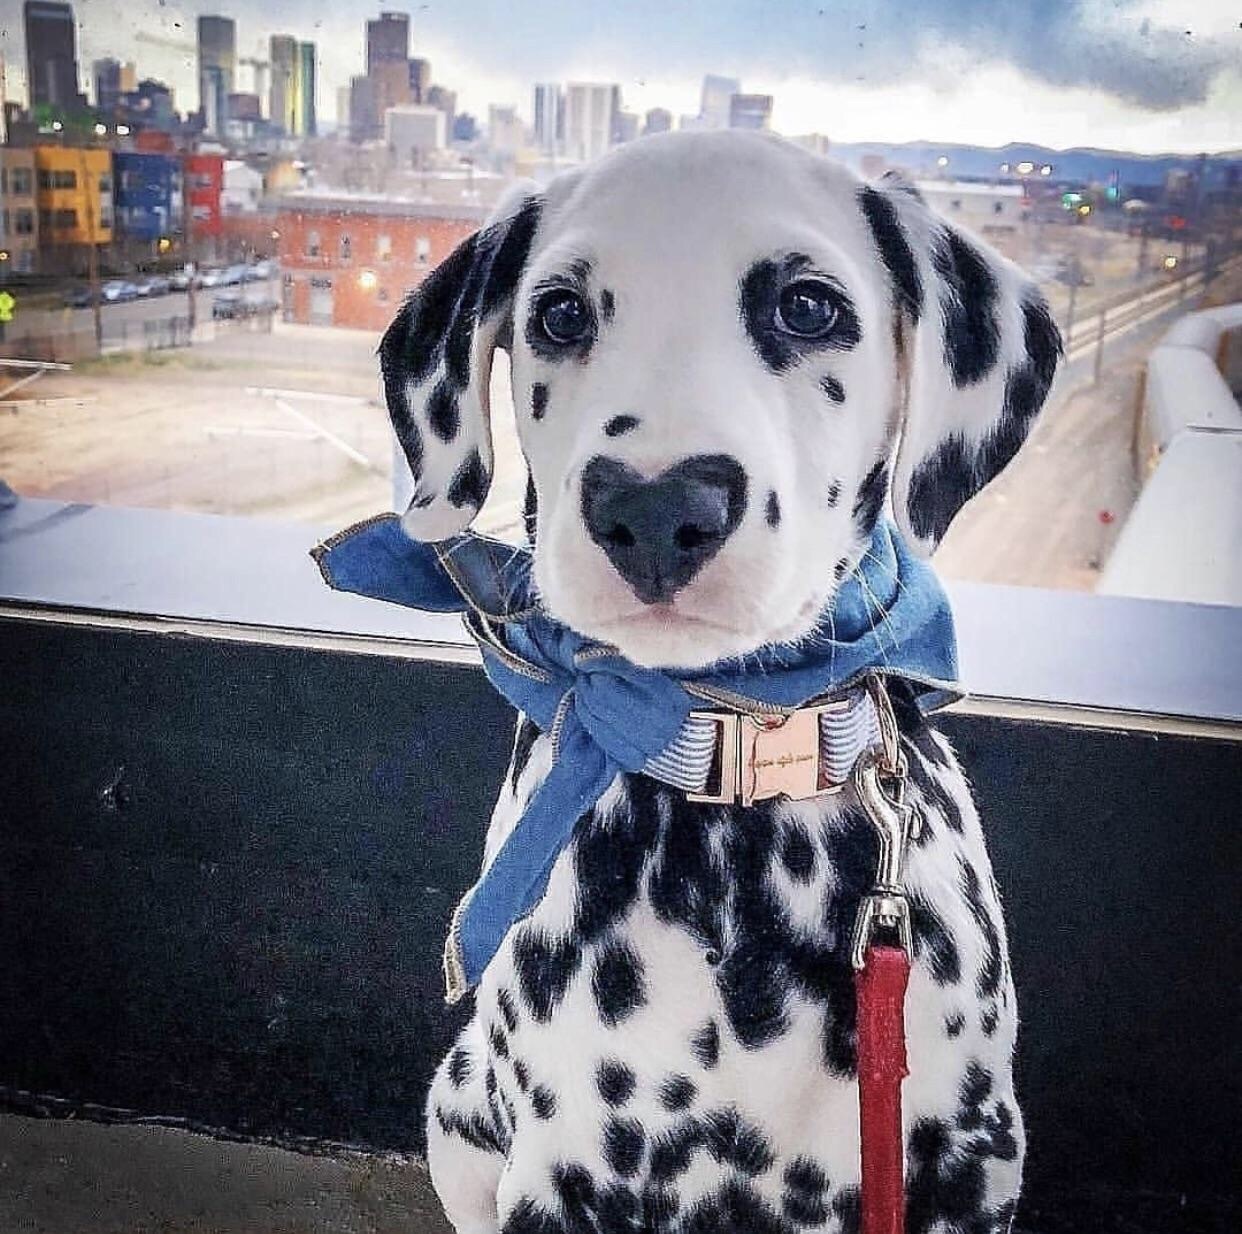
667,1043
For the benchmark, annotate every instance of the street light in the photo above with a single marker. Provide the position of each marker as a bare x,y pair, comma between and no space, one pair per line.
101,130
367,280
1046,169
57,126
942,161
1025,167
1004,169
122,130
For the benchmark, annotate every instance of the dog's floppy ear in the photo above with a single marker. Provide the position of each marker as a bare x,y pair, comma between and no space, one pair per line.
436,360
978,348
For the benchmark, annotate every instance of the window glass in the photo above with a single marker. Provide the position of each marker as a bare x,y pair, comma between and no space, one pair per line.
1094,145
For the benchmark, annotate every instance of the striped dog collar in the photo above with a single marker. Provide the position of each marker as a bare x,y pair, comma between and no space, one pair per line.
743,757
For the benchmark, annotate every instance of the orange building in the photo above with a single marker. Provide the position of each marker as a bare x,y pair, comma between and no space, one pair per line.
74,188
349,261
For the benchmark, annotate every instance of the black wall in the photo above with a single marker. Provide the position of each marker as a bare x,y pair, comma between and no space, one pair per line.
226,868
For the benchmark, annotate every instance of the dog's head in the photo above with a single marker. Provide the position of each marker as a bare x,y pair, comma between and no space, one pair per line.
727,356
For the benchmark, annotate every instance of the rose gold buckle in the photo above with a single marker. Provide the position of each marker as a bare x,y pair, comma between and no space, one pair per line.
762,756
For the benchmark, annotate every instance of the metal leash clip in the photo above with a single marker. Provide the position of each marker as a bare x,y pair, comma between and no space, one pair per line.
880,782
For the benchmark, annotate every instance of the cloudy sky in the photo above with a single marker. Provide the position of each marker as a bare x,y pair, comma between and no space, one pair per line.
1145,75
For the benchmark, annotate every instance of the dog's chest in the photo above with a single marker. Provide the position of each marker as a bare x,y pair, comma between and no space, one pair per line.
696,958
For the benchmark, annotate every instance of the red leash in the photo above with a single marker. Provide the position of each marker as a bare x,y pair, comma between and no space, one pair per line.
881,973
881,989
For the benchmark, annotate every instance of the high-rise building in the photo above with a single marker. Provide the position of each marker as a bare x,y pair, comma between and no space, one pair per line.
715,100
590,117
549,116
388,39
391,79
129,77
342,109
282,98
217,70
420,78
658,120
624,127
364,119
750,111
307,83
446,101
51,55
504,129
106,74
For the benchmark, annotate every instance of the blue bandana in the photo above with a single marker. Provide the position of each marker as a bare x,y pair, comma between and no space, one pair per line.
608,715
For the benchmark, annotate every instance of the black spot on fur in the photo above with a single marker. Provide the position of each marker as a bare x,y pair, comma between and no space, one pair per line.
832,388
659,1207
617,983
772,510
474,1129
530,510
523,743
968,295
677,1092
705,1044
500,1045
607,304
870,499
847,1205
934,943
804,1199
526,1217
460,1067
442,413
991,969
610,852
732,1140
989,1019
538,400
509,242
521,1074
939,486
798,853
838,571
545,967
615,1081
504,1000
673,1150
834,494
543,1101
736,1207
620,424
954,1024
469,484
623,1143
575,1188
895,251
759,295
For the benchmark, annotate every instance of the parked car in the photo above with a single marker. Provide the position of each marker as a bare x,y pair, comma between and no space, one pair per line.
77,297
234,275
261,270
211,278
158,285
116,291
233,306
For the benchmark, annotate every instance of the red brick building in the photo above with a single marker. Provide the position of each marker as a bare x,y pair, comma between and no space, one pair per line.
349,261
204,181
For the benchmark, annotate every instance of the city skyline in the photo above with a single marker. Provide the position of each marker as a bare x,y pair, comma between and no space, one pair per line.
963,81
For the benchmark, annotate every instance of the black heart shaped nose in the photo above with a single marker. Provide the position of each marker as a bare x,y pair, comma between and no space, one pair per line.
660,533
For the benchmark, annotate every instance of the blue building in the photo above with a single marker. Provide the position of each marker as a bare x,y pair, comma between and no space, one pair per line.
147,196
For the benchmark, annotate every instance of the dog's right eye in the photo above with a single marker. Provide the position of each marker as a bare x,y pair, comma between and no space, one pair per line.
563,317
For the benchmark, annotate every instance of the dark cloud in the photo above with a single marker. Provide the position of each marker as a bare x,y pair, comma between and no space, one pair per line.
1066,42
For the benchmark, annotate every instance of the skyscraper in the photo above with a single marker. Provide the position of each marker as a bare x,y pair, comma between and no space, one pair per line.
750,111
51,54
420,79
549,118
307,123
282,97
217,70
714,101
590,118
388,39
106,74
659,120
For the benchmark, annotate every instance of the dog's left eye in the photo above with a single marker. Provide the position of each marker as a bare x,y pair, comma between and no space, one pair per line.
563,316
807,309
